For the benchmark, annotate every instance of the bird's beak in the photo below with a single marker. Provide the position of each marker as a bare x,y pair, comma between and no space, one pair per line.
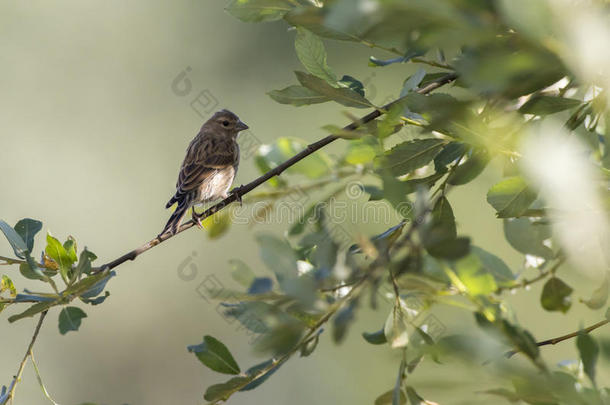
241,126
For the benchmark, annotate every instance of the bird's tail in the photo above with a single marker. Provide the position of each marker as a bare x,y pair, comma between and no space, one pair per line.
177,216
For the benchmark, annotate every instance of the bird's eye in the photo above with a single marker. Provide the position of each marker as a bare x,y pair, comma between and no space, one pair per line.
225,123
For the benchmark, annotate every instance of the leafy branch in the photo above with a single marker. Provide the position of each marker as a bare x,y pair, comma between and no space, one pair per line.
239,192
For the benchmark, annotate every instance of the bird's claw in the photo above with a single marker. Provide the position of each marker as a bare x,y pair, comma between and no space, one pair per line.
237,193
197,220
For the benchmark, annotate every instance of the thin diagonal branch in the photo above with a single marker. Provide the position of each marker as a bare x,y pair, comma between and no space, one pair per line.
13,386
560,339
242,190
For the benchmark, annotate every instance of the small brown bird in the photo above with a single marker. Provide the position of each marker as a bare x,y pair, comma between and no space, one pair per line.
209,167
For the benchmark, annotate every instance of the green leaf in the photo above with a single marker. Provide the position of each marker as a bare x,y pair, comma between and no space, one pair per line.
361,151
395,328
474,276
70,318
410,155
217,224
258,10
527,237
308,348
386,398
27,228
278,256
470,169
315,166
494,265
450,153
70,247
84,263
342,95
241,273
17,243
6,284
544,105
215,355
352,83
441,225
297,96
412,82
511,197
599,298
589,352
86,284
522,340
255,370
222,392
375,338
26,271
311,53
450,249
57,252
556,295
33,310
414,398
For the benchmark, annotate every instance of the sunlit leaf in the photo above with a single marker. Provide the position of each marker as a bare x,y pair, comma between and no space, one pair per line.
312,54
395,328
258,10
494,265
6,284
511,197
599,298
217,224
410,155
476,279
57,252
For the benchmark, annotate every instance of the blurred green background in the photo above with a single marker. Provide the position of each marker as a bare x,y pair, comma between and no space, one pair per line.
92,136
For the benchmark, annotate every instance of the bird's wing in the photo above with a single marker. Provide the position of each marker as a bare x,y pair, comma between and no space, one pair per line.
205,155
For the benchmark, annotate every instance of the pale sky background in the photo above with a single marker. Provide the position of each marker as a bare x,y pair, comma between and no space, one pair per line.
92,136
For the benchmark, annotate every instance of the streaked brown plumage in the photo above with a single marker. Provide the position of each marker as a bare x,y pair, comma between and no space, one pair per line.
209,167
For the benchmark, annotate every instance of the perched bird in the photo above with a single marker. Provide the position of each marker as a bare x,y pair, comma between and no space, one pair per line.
209,167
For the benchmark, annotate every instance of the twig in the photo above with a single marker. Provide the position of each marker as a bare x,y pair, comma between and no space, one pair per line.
242,190
11,394
541,276
9,260
39,377
560,339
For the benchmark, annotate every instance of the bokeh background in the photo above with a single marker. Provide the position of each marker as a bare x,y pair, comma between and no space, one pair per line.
91,138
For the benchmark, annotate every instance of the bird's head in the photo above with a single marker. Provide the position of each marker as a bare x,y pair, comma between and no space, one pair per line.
224,121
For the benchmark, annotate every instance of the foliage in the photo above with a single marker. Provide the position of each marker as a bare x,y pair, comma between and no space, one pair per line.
512,74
